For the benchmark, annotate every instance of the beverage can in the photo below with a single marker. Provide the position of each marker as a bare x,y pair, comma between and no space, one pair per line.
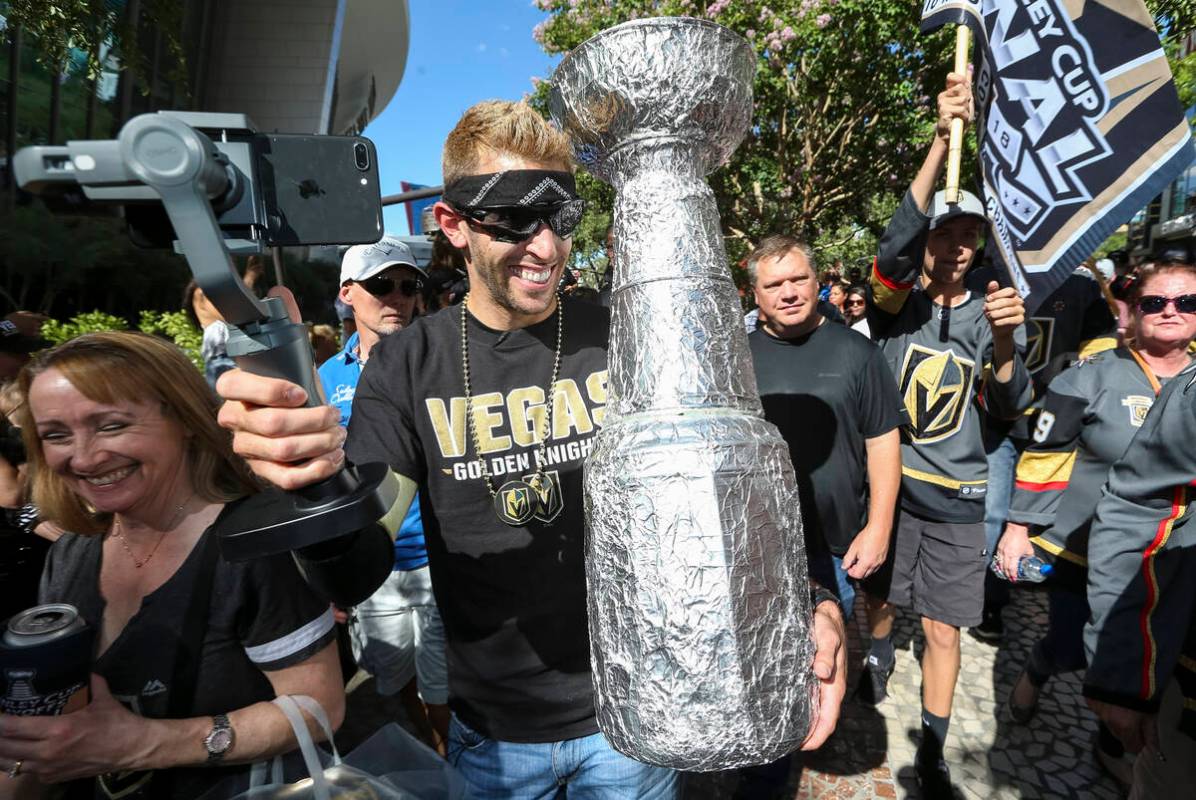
45,661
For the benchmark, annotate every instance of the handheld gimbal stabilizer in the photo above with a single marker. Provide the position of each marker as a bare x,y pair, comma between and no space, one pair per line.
331,527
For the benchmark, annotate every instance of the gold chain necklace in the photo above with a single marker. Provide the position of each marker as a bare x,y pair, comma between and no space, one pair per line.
517,501
118,533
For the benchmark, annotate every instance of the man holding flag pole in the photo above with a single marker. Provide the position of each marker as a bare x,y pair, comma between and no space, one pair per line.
947,347
1079,126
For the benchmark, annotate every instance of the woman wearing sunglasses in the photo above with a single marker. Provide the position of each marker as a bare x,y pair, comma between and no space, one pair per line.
854,307
1090,414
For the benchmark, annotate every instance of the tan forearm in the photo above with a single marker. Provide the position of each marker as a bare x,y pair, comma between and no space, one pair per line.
884,478
262,730
1003,351
922,188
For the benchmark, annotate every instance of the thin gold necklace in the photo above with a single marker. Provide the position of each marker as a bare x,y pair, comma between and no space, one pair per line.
118,533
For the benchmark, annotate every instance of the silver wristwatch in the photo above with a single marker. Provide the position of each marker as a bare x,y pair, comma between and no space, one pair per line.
221,738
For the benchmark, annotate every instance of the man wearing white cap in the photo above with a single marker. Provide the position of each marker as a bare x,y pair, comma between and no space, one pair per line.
398,636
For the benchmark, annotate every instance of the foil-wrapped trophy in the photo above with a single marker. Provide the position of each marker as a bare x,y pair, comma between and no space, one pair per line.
699,608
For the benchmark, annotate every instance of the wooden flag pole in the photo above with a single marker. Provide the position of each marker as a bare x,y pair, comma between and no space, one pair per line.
963,43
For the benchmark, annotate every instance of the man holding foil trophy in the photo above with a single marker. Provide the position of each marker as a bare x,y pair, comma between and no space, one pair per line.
673,627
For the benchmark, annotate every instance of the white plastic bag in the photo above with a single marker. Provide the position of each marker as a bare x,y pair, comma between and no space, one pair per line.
390,765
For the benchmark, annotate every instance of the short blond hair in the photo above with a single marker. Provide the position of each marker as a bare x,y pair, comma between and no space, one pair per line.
124,366
502,127
778,246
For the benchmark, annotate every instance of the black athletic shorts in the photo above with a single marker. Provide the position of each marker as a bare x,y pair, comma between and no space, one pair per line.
934,568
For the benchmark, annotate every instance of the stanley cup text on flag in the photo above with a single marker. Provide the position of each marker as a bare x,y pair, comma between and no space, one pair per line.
1079,125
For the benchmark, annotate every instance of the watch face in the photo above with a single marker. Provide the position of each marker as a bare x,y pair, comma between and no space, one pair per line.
220,740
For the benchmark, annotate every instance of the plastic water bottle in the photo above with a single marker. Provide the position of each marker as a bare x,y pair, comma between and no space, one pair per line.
1030,569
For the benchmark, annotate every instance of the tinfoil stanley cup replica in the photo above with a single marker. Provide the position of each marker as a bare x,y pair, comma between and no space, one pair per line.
698,601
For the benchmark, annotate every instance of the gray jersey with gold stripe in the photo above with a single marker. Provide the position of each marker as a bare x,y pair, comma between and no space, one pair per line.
1089,415
939,356
1142,563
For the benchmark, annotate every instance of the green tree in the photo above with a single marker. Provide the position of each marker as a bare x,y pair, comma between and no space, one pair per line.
57,28
56,332
44,255
841,107
175,325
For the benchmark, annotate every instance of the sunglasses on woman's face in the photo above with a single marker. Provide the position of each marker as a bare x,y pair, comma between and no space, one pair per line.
382,285
1157,303
854,301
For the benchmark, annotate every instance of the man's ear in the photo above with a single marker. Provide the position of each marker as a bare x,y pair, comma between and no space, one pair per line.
451,224
343,293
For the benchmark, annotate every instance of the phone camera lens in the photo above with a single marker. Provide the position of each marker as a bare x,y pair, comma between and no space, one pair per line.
361,156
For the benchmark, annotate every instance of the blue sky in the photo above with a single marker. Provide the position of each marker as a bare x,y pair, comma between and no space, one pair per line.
462,51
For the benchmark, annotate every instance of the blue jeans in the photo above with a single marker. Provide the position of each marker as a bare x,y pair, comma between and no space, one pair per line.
1002,467
575,768
827,569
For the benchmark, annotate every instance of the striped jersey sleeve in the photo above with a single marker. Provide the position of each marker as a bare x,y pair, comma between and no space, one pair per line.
1142,560
898,260
1045,467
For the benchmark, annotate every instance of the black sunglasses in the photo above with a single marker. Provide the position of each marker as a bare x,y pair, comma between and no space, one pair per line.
1156,303
515,224
382,285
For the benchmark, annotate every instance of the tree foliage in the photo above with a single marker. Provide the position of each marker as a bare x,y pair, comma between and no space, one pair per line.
58,27
175,325
56,331
172,325
63,264
843,109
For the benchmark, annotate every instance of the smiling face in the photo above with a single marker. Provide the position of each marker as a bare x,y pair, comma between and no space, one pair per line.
511,285
949,250
786,291
854,305
124,457
1169,328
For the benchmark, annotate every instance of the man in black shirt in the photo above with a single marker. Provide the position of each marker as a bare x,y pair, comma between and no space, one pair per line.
492,406
834,399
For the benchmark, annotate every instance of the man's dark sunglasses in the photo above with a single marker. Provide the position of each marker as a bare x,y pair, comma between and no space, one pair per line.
515,224
382,285
1156,303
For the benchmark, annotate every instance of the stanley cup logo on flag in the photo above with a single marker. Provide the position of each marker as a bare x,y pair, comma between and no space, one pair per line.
1079,125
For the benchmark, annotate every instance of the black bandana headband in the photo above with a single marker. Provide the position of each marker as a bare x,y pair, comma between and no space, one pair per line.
512,188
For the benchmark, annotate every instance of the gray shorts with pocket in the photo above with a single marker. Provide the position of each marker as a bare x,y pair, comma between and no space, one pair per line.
934,568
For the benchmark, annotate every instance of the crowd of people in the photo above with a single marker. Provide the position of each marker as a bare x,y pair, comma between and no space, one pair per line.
940,435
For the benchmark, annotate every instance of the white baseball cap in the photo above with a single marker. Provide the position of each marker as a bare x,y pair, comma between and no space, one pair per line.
364,261
968,206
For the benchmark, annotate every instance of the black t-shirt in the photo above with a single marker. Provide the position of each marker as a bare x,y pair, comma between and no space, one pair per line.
262,616
513,600
827,392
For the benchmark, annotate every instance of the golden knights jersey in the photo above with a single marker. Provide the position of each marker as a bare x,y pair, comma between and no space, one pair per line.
1073,322
1142,563
939,356
1088,418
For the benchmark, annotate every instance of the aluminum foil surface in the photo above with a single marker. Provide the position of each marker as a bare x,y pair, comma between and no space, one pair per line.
698,598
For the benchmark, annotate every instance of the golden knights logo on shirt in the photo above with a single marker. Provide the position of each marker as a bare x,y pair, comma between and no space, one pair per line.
1039,333
935,390
1138,406
544,500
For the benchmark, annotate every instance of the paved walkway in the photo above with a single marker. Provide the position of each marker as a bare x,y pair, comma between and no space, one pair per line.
871,754
872,751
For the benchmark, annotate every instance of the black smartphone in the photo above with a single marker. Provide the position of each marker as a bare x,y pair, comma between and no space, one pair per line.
318,189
